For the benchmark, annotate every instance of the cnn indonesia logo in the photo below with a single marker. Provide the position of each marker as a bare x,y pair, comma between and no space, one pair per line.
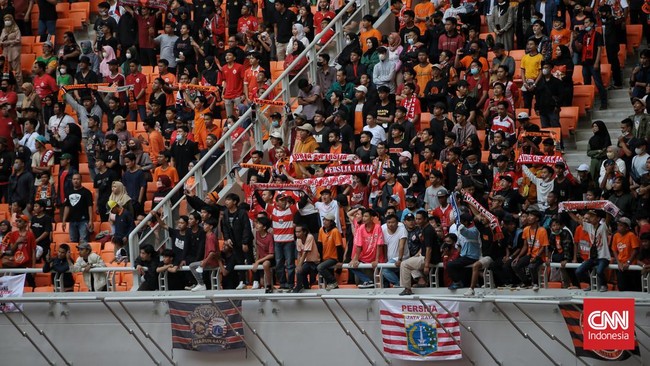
608,324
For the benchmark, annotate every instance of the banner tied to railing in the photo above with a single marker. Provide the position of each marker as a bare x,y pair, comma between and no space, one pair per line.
604,205
11,286
414,331
539,159
307,185
209,327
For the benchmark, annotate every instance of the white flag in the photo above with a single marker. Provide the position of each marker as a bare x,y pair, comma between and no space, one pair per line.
10,286
410,331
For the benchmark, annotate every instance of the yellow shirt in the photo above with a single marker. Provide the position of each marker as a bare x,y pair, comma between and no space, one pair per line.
532,66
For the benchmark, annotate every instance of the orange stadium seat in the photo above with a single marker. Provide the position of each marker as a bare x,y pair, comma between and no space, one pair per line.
62,10
634,36
81,6
583,97
569,119
26,62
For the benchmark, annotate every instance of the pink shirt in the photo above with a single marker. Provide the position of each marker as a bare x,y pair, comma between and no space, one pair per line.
368,241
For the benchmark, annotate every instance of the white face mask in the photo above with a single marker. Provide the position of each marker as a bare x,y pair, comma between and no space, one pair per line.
7,23
546,71
104,54
611,155
62,71
382,57
638,151
128,55
179,137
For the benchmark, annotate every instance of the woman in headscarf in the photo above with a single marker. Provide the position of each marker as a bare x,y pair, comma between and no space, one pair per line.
108,54
119,195
598,144
395,49
130,54
416,187
209,74
298,32
563,70
71,144
296,49
142,159
351,43
11,46
163,186
5,228
370,58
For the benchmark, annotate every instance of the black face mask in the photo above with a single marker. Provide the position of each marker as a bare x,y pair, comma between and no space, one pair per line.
3,88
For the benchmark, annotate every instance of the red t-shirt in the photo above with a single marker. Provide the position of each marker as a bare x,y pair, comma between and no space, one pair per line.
247,24
318,19
139,82
265,245
412,106
27,247
211,245
117,80
144,23
45,85
9,97
7,126
233,77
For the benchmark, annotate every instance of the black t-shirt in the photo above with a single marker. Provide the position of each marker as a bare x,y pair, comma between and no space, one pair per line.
435,91
468,102
322,138
47,11
440,128
367,156
114,156
394,149
103,183
431,240
179,241
183,154
195,246
562,189
124,224
40,225
285,23
162,101
90,78
78,200
347,134
385,111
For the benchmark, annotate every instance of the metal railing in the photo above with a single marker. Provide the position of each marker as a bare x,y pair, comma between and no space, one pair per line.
226,162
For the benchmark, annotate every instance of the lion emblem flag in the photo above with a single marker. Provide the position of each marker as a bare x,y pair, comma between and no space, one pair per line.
209,327
411,331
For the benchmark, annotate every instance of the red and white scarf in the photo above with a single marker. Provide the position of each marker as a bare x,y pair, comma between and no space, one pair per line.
46,158
539,159
322,158
349,169
604,205
494,222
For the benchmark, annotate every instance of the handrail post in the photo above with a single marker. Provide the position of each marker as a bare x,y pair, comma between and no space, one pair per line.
365,8
229,162
198,183
167,214
286,85
313,67
340,35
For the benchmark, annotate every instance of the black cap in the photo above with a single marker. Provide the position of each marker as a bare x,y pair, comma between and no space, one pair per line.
505,177
548,141
502,158
462,111
409,216
84,59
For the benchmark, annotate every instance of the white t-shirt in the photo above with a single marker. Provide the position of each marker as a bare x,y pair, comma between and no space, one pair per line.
331,208
392,241
378,134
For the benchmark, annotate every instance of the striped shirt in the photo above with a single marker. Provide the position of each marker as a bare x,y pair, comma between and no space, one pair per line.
506,124
283,227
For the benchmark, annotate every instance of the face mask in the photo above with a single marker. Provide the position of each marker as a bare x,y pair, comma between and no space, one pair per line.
16,166
132,148
319,64
179,137
128,55
348,41
474,71
410,41
159,184
587,29
638,151
556,232
275,123
471,165
104,54
610,155
3,88
382,57
546,71
62,71
7,23
533,19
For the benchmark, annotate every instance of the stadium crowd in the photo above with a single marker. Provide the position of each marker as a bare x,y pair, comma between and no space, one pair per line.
435,144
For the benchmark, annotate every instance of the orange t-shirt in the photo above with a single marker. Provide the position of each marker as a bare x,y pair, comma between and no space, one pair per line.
170,172
560,37
467,61
330,241
624,245
536,241
156,143
583,240
423,10
363,37
171,80
423,74
199,126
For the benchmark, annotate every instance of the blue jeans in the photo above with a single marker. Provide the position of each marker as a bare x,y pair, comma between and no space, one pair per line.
325,270
601,265
78,231
142,111
361,274
391,275
285,252
587,73
46,27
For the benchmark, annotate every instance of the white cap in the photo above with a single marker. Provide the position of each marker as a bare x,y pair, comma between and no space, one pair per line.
523,115
583,168
406,154
362,89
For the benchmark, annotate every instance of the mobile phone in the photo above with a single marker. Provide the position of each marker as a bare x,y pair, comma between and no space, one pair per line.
498,27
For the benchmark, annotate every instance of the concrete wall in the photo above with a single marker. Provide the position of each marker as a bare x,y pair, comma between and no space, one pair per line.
299,332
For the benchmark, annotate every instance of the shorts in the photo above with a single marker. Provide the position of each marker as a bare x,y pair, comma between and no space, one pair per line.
486,262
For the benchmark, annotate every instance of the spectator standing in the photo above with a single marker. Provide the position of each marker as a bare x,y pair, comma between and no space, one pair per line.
282,216
43,82
283,21
233,83
625,247
599,255
368,238
536,238
589,45
183,151
547,97
46,18
501,21
329,238
135,182
531,66
308,258
78,211
166,42
19,245
103,183
236,229
11,46
21,182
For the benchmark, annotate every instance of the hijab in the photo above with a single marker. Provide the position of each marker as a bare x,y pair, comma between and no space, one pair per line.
373,49
166,183
301,47
397,41
103,66
120,197
601,139
300,31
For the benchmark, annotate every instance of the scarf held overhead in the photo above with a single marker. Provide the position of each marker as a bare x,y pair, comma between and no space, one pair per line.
604,205
539,159
494,222
322,158
349,169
